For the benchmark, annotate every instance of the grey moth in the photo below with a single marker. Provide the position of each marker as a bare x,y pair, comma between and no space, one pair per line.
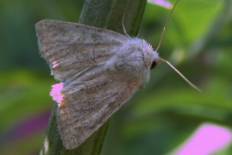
100,70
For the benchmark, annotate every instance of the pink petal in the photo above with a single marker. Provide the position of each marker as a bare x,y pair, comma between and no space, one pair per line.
56,92
163,3
207,140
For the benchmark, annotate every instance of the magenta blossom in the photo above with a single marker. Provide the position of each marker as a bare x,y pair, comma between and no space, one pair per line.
163,3
56,93
208,139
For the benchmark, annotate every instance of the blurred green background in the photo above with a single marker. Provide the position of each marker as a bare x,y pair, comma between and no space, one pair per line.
160,117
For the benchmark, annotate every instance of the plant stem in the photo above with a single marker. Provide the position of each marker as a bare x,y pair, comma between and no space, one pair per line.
105,14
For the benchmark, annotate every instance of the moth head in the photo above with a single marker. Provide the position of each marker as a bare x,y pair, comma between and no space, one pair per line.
151,57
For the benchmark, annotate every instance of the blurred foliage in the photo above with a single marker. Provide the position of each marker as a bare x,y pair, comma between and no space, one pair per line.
161,116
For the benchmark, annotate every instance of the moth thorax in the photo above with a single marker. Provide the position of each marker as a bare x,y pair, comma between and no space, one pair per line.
150,57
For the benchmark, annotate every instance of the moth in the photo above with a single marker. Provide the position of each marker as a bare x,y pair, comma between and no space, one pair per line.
100,70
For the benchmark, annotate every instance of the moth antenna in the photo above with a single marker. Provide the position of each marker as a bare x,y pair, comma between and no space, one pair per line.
180,74
165,25
123,26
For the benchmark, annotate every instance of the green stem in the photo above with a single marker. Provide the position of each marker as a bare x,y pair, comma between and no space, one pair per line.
105,14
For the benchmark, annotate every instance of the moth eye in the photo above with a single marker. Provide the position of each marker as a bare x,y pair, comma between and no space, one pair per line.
153,64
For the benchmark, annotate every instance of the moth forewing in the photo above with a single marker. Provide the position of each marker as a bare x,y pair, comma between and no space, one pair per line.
69,48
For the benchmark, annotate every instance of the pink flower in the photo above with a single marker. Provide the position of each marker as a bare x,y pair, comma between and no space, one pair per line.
208,139
56,92
163,3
